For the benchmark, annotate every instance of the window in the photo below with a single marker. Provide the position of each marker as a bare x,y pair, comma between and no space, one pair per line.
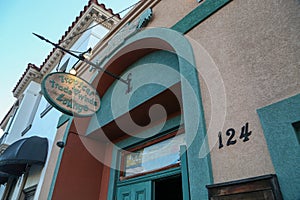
7,127
155,168
32,114
152,156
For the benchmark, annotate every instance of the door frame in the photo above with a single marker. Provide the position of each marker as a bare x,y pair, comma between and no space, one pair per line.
170,126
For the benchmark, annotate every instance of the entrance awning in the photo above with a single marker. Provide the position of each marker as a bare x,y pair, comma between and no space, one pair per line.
27,151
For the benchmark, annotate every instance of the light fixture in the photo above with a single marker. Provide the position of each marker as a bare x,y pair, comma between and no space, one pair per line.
87,54
82,56
60,144
73,71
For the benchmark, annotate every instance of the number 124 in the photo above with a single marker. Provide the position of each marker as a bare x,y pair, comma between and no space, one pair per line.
230,133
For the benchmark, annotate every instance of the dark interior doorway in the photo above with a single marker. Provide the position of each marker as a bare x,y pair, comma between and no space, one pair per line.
168,188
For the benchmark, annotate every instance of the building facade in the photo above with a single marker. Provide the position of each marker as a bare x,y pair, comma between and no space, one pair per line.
30,125
199,100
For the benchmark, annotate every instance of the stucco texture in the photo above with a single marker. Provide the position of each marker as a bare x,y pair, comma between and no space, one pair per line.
255,47
169,12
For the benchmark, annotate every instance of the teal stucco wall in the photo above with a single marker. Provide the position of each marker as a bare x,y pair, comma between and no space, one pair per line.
277,122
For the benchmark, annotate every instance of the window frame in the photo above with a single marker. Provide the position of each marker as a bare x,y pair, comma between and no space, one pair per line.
122,155
32,114
46,110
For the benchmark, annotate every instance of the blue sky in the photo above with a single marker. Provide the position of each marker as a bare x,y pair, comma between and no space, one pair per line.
49,18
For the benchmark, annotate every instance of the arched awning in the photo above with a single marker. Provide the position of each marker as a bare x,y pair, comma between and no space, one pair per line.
27,151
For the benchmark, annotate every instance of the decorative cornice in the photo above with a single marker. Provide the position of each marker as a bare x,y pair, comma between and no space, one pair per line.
92,12
31,73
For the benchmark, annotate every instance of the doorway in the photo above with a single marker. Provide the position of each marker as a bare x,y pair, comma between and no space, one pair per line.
168,188
158,189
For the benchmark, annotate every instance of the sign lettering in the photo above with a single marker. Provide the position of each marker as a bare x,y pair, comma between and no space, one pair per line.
70,94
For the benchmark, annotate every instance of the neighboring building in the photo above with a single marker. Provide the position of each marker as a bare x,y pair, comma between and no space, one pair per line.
30,125
202,102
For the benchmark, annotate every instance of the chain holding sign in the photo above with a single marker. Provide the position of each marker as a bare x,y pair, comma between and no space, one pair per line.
70,94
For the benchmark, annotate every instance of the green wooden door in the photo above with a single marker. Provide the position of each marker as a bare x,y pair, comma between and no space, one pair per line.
137,191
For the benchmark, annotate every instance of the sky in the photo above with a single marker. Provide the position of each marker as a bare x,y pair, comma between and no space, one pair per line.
18,46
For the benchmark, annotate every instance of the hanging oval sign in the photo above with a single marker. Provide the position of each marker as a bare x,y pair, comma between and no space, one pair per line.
70,94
